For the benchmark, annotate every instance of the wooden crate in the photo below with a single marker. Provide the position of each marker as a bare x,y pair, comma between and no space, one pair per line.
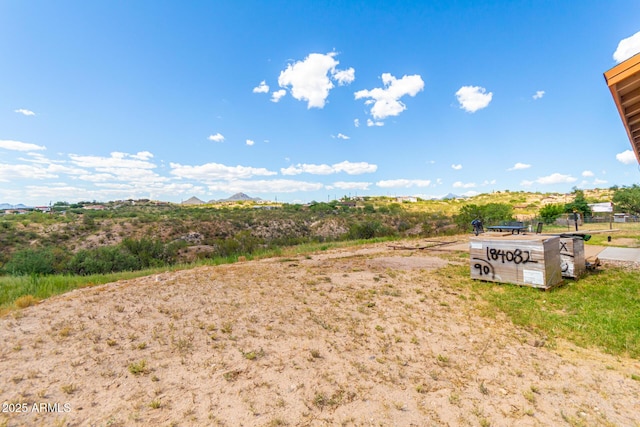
530,260
572,260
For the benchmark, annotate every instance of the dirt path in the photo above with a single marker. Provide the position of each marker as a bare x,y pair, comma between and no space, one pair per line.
364,337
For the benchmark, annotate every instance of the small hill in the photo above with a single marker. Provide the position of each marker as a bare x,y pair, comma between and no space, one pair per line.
238,197
193,201
4,206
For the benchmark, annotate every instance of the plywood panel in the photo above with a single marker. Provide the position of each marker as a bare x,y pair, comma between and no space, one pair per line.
530,260
572,260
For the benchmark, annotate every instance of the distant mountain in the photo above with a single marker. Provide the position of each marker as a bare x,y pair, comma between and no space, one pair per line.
238,197
8,206
449,196
193,201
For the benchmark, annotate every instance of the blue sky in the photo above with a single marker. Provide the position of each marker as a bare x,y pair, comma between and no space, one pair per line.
309,100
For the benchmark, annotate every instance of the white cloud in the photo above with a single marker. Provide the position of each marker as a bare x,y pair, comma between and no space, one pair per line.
120,170
311,79
9,172
372,123
216,138
250,142
261,88
456,167
473,98
356,123
403,183
519,166
24,112
554,178
342,136
627,157
133,171
539,94
53,166
587,173
116,161
142,155
459,184
210,172
386,100
351,168
275,96
627,48
599,181
264,186
487,182
344,185
20,146
345,77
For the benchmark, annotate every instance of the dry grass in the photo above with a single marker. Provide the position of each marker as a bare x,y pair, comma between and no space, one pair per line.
363,336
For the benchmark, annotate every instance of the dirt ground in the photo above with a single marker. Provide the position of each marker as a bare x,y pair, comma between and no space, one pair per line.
366,336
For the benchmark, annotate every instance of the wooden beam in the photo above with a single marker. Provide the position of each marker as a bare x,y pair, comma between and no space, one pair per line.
633,120
632,109
628,84
623,70
630,97
623,81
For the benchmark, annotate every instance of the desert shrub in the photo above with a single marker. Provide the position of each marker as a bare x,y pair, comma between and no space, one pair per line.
225,247
31,261
25,301
367,229
102,260
150,252
323,207
247,242
403,225
395,208
369,208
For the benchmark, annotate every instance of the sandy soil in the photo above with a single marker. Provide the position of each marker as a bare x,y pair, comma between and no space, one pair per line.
363,337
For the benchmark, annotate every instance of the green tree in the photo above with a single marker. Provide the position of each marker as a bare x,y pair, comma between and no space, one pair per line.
494,213
627,199
579,204
549,213
467,214
491,213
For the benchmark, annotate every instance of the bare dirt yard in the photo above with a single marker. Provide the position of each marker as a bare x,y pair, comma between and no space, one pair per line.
363,336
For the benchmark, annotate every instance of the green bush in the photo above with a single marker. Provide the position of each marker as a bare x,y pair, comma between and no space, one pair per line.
365,230
551,212
491,213
31,262
151,253
102,260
